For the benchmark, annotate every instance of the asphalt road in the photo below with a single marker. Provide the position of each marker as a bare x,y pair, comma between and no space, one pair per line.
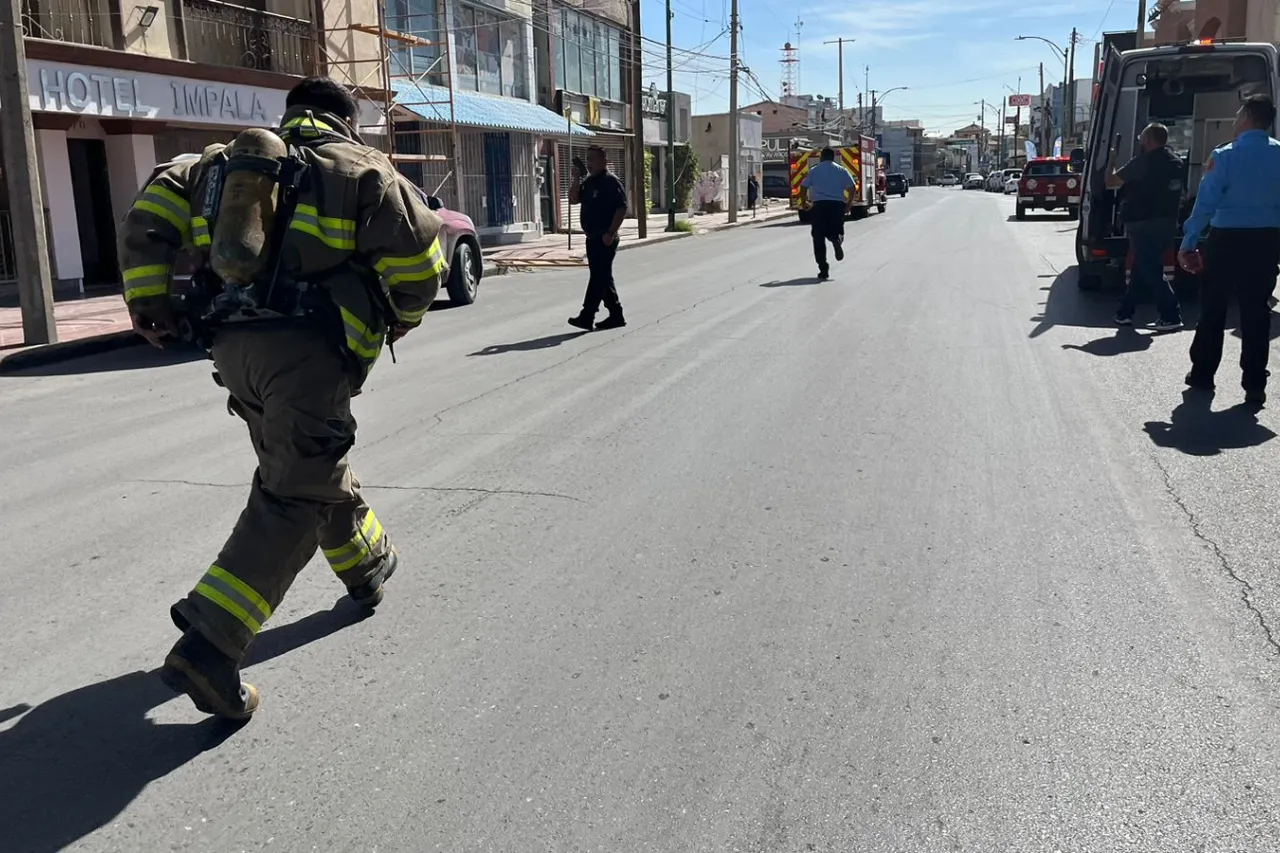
923,558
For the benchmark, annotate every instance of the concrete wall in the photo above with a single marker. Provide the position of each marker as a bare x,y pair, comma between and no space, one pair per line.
777,117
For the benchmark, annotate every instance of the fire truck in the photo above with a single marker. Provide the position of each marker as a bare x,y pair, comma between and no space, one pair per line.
861,160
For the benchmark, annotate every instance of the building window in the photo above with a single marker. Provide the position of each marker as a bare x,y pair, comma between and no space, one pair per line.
490,53
418,18
588,56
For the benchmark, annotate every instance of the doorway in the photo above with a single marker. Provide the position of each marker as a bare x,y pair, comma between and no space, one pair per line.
500,197
95,221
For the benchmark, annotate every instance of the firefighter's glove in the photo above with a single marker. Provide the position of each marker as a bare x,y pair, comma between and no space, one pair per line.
398,331
156,323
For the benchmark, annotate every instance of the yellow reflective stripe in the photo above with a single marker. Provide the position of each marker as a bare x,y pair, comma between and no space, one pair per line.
419,267
354,552
360,339
166,204
234,596
337,233
144,281
178,202
411,318
200,231
309,125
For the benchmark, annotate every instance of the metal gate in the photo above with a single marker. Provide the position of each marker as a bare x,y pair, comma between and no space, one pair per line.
614,149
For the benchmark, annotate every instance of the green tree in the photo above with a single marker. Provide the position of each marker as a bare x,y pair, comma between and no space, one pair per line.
687,172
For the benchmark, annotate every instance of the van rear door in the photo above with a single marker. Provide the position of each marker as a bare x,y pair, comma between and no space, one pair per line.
1096,202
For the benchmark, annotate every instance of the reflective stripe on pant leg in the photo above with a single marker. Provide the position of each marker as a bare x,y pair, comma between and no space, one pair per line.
234,596
358,549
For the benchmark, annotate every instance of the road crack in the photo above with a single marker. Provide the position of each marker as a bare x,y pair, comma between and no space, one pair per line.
524,493
1246,588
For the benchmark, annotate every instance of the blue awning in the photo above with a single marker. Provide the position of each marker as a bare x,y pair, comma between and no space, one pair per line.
431,103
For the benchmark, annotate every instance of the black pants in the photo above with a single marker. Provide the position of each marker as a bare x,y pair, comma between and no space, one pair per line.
826,222
1240,262
600,287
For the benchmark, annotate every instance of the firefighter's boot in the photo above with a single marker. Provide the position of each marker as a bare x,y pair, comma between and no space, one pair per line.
197,668
369,594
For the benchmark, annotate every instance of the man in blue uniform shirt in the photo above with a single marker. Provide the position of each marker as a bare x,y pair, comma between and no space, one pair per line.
829,188
1239,201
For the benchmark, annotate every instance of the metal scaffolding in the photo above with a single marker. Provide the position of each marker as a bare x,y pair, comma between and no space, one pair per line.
408,77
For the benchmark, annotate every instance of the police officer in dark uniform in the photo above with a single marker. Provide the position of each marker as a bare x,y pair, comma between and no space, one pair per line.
1239,201
604,205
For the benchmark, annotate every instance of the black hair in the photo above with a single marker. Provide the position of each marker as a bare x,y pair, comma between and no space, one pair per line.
1157,133
321,93
1261,111
598,150
828,154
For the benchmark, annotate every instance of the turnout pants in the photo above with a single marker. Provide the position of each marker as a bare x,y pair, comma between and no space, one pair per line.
1240,262
600,286
292,386
826,222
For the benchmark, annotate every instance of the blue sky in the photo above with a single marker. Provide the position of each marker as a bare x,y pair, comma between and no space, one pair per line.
950,54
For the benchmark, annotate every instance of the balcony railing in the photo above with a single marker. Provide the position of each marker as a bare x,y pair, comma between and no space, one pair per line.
78,21
228,34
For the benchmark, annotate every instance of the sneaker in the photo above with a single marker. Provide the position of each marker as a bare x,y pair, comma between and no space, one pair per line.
1256,398
1168,325
839,247
1122,320
369,594
211,679
582,321
1198,382
613,321
823,275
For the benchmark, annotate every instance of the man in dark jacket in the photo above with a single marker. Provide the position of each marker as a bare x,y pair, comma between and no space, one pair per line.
1151,186
604,206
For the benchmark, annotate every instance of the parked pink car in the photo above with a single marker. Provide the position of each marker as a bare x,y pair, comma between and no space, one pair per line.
462,248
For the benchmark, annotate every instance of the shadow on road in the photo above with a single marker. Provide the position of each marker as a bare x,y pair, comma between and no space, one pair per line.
1125,340
1196,430
1067,305
73,763
782,223
139,357
529,345
793,282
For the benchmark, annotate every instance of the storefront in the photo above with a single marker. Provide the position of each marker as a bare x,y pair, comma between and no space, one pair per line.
99,134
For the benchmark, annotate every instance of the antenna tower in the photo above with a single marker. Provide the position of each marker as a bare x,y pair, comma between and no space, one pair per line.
790,63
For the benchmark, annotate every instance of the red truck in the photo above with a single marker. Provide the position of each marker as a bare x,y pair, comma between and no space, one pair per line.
1049,183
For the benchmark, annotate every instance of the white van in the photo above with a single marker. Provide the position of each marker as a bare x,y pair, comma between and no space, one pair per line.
1195,89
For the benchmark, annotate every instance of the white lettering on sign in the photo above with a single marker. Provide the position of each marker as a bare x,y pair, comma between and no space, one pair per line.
1019,100
97,94
194,100
653,105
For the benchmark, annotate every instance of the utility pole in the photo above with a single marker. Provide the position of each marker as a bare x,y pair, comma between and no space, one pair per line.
1142,20
22,176
1017,119
734,141
637,122
671,134
982,134
1003,151
1044,112
839,42
1070,119
873,113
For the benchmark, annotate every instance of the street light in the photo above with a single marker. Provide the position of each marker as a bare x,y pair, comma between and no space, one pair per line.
1061,51
876,100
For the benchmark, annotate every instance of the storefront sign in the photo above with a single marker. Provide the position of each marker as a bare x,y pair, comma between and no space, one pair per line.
110,93
653,105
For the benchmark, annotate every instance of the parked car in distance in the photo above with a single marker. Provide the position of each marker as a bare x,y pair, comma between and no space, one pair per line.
462,247
974,181
896,184
947,181
995,182
775,186
1011,182
1048,184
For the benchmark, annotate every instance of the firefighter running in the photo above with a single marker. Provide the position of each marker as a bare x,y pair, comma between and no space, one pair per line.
321,255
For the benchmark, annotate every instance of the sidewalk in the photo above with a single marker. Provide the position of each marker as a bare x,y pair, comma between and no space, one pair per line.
554,250
85,327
